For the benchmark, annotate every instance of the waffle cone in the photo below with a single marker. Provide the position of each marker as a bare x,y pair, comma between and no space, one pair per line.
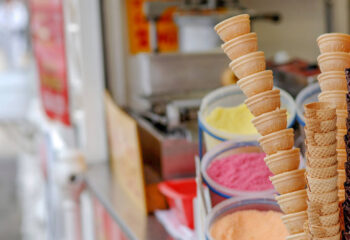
316,125
325,172
334,42
322,209
341,118
248,64
320,110
240,45
292,202
321,151
298,236
313,218
277,141
336,97
233,27
317,162
341,178
321,232
256,83
283,161
341,157
335,237
271,122
334,80
264,102
294,222
329,220
320,139
316,185
340,138
289,181
327,197
341,195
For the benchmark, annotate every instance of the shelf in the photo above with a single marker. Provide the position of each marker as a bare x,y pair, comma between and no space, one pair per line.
134,224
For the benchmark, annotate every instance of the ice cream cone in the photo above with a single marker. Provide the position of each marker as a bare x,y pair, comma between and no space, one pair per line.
256,83
277,141
341,178
321,231
341,157
341,118
248,64
321,151
271,121
298,236
264,102
328,197
289,181
320,139
336,97
341,195
323,172
316,125
283,161
340,138
335,237
317,162
241,45
333,61
329,220
332,81
292,202
322,209
294,222
334,42
233,27
316,185
320,110
313,218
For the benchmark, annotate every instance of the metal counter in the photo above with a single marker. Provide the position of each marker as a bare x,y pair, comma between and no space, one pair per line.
134,224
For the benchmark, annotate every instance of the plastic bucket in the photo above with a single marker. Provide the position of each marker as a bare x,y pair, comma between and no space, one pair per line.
179,195
218,193
238,204
307,95
231,96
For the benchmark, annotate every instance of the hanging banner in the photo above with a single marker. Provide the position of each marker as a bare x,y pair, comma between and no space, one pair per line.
47,28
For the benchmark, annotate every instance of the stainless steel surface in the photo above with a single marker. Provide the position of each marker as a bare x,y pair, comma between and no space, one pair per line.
156,74
134,224
171,154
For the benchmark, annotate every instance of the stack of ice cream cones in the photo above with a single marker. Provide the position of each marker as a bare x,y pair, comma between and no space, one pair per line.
334,58
321,172
263,101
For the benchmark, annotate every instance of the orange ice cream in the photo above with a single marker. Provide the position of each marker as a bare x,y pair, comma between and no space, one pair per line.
249,224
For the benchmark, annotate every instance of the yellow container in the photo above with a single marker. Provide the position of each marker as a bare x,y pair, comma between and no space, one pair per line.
231,96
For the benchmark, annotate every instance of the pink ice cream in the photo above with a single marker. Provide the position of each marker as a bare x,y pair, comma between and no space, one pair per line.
244,171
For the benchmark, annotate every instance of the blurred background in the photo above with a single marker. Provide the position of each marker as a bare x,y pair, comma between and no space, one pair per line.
99,102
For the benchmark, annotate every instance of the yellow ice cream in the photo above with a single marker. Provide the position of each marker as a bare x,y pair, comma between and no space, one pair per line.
235,120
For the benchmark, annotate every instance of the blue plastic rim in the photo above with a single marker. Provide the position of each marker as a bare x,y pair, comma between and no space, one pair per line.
230,205
220,190
236,145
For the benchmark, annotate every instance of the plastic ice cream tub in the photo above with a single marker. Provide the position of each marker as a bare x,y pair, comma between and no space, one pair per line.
231,96
238,204
307,95
219,192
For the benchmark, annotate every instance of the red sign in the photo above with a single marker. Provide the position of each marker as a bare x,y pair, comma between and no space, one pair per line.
47,27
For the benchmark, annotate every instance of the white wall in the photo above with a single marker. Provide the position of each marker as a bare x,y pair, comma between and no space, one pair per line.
302,22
